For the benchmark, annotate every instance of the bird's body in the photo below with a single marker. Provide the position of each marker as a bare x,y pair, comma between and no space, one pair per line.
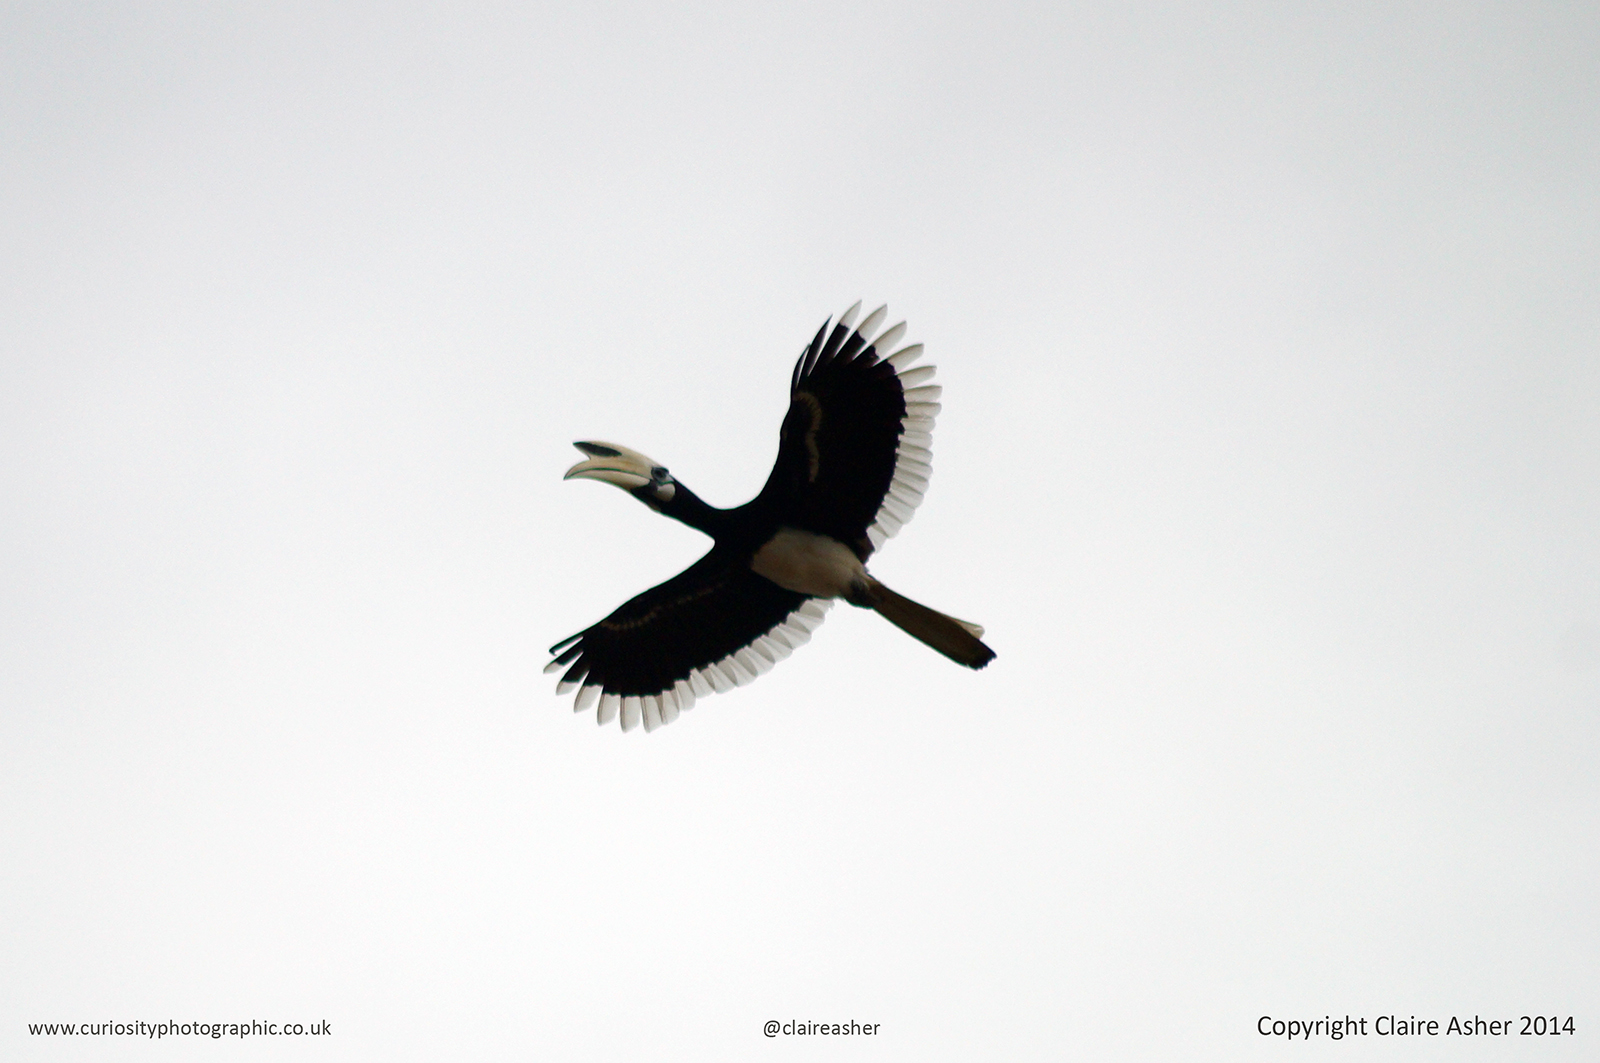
853,460
818,566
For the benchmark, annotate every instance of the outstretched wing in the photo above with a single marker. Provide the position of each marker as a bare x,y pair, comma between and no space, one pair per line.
713,626
854,455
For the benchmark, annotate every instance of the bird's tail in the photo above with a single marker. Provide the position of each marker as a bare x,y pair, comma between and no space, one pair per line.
956,639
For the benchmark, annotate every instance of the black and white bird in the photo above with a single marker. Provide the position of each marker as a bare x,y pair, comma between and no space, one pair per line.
853,462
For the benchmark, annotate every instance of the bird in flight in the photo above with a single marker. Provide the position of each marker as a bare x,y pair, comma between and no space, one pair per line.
853,462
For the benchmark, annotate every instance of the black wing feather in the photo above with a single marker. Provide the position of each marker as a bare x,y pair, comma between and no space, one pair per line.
836,451
808,358
706,612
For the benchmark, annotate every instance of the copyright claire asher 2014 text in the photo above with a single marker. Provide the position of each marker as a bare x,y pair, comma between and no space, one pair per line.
1411,1026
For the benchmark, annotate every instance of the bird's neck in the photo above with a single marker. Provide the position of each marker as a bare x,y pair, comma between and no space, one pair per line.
686,506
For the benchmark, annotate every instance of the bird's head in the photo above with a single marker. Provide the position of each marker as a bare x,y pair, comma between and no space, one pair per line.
628,469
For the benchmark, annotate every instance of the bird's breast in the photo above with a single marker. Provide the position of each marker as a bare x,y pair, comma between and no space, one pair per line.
808,563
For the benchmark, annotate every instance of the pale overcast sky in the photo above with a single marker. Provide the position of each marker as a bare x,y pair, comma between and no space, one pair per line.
1270,459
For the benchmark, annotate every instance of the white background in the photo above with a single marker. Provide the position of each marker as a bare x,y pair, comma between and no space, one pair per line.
1270,459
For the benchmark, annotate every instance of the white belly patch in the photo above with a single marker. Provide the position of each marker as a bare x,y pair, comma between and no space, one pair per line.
809,563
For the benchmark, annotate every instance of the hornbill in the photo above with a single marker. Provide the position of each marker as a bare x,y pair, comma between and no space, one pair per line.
853,461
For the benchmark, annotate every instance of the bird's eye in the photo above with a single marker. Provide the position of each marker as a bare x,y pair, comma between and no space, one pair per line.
659,474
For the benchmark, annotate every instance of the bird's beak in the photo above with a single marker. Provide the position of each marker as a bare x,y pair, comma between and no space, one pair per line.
628,469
